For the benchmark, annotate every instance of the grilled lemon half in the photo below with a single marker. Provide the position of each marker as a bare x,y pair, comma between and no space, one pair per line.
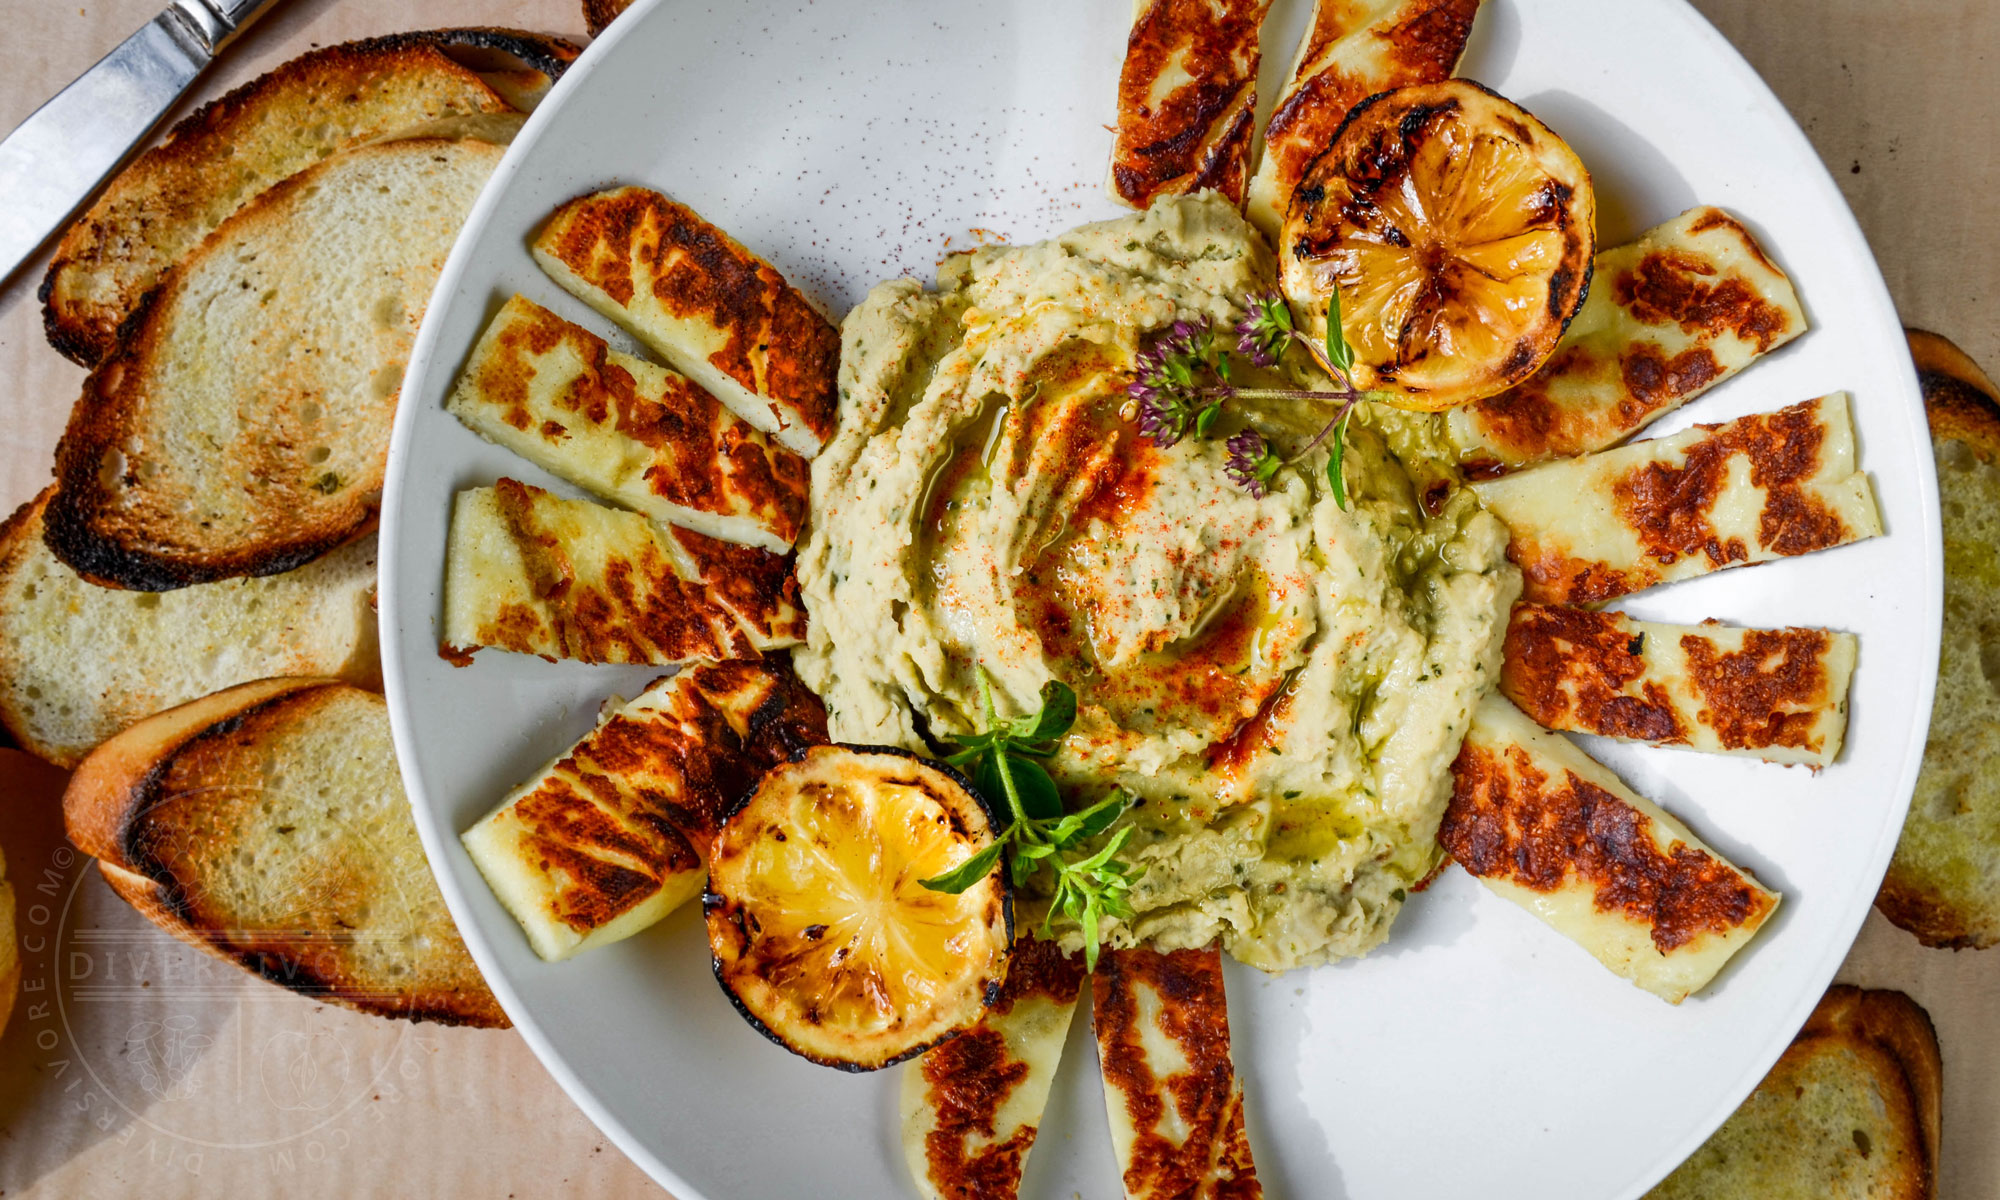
823,933
1459,231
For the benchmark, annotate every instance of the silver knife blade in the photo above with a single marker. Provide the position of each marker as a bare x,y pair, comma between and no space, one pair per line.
56,160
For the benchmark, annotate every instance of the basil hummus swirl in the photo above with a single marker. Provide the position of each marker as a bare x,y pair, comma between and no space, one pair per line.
1282,684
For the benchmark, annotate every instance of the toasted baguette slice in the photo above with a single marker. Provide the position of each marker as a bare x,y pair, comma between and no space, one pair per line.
972,1107
1175,1102
243,428
615,834
534,573
633,432
1754,489
227,152
1851,1111
1187,100
1775,694
1543,824
78,662
267,825
1353,49
1944,882
598,14
696,298
1669,316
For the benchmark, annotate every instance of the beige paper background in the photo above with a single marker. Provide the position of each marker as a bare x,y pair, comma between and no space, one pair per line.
133,1064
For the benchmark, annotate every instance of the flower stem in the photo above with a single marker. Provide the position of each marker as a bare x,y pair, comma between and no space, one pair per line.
1340,415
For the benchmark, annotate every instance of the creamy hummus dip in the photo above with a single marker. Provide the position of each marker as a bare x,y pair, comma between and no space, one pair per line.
1281,684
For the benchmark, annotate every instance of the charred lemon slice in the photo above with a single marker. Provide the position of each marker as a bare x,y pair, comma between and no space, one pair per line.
1459,231
823,933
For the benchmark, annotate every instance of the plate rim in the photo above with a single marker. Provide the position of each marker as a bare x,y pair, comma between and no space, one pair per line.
439,841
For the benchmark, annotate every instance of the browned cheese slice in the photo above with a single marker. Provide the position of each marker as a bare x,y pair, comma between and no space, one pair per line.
1175,1103
692,295
1187,99
972,1106
758,588
1546,826
1775,694
1748,491
614,834
628,430
1669,316
531,572
1354,49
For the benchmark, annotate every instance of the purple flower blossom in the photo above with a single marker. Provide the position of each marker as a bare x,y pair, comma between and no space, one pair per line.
1266,328
1252,462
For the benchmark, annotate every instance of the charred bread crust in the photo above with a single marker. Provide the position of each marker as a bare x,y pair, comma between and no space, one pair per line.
547,54
107,810
598,14
1900,1027
1961,403
1959,399
99,557
104,795
195,139
83,525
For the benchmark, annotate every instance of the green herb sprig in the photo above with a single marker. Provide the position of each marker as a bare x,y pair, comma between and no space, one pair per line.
1003,768
1182,382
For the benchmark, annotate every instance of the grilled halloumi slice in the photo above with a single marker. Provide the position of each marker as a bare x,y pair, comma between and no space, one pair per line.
1775,694
760,589
695,297
971,1107
1748,491
1354,49
1187,99
1669,316
535,573
628,430
1546,826
582,854
1176,1105
614,834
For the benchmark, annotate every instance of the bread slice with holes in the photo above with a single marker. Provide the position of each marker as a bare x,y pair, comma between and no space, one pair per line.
267,825
79,662
1944,882
224,154
1850,1112
243,426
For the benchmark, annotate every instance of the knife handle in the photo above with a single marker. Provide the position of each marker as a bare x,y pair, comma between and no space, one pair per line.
215,23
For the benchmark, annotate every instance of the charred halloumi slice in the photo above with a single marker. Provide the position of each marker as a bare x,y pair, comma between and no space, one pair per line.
1353,49
631,431
1187,99
1775,694
1548,827
597,846
696,298
532,572
1175,1103
614,834
1748,491
971,1107
1669,316
767,707
760,589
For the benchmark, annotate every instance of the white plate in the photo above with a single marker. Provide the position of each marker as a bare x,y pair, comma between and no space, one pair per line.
1477,1053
